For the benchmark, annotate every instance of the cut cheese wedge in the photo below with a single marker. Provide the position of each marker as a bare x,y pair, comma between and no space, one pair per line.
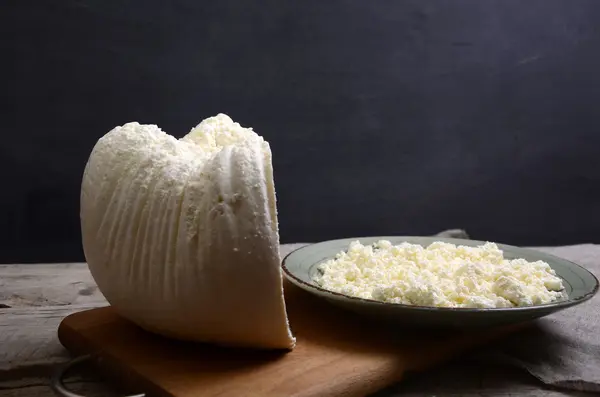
182,237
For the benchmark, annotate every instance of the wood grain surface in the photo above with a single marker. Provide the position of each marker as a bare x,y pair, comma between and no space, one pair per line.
337,354
35,298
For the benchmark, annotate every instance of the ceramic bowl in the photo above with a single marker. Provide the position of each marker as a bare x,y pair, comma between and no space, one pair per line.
300,266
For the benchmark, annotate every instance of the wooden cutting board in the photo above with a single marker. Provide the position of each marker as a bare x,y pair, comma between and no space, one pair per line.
337,354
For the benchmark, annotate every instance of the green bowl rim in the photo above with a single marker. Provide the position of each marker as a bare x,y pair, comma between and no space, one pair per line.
561,304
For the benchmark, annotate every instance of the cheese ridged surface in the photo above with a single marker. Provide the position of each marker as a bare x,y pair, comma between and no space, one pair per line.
182,235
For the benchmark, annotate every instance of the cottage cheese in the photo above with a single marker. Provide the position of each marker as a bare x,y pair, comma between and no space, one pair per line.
441,275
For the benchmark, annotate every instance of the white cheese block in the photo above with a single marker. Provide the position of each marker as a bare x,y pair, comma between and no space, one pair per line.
182,235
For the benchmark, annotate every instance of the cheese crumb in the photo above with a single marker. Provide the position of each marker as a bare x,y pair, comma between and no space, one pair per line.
440,275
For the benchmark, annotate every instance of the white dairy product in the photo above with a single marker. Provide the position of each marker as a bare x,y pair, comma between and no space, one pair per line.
440,275
182,235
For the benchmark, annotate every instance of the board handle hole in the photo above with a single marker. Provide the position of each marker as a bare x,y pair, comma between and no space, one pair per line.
57,385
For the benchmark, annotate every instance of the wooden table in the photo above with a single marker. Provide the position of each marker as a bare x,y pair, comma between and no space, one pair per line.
34,298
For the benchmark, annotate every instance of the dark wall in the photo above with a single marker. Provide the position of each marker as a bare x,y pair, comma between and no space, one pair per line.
385,117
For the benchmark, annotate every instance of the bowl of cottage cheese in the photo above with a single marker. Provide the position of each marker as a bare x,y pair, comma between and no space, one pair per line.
435,281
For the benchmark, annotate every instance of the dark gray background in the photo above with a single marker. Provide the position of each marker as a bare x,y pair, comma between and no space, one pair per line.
385,117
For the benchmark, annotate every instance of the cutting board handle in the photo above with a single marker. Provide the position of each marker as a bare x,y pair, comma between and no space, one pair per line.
57,385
